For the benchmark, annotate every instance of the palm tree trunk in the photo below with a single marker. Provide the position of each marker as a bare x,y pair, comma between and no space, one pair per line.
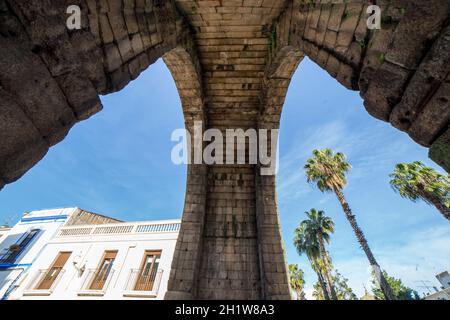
300,295
326,295
325,257
384,285
316,268
438,204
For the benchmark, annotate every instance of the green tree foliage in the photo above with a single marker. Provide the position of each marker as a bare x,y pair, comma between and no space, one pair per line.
310,238
297,281
415,181
400,291
343,290
306,243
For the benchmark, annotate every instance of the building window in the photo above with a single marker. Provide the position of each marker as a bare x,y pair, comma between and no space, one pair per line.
12,253
55,270
102,273
147,273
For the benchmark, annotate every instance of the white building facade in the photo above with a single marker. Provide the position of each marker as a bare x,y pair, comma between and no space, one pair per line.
103,261
3,230
444,279
444,293
21,245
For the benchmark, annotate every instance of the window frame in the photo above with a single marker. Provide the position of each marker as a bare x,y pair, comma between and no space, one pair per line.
59,270
12,256
99,268
138,284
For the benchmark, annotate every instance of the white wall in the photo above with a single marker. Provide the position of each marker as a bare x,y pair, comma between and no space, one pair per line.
441,295
33,220
3,231
48,229
444,279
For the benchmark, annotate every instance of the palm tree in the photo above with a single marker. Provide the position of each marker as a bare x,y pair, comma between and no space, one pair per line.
306,244
321,226
415,181
297,281
327,171
317,265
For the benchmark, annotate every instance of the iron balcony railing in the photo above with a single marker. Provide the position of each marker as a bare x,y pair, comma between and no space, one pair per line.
96,281
141,283
44,281
9,255
128,228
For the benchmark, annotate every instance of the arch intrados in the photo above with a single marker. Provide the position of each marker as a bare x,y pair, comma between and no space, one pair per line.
185,71
276,84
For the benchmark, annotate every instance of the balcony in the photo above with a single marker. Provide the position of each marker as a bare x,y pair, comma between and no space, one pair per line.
96,282
44,282
140,285
119,229
8,255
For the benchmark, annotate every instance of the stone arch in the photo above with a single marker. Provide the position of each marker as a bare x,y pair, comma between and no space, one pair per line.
52,77
401,71
272,259
185,69
276,82
230,244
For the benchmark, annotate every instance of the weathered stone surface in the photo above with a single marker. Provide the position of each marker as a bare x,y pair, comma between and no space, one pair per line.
385,89
80,94
40,96
232,62
22,144
113,57
432,71
422,22
434,118
375,56
350,20
440,151
91,59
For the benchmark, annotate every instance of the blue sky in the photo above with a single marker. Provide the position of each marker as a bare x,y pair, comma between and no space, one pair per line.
118,163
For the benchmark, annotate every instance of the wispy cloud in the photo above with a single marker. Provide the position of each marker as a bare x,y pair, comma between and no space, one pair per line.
370,149
291,174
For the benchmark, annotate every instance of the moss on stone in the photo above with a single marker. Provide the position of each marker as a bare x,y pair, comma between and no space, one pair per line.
235,226
272,46
440,151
